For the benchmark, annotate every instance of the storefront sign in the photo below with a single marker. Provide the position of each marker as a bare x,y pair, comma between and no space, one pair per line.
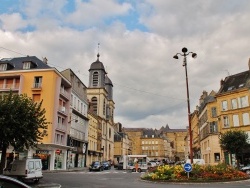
46,152
84,147
58,151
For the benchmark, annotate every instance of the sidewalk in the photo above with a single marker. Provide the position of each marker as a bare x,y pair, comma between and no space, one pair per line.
83,169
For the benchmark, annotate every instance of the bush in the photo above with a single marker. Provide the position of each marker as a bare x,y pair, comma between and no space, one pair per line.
218,172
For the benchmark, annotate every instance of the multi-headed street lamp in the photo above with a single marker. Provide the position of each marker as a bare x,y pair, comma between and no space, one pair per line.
194,55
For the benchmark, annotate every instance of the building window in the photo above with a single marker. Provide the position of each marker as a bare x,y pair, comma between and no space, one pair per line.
243,101
236,120
234,103
26,65
74,102
94,103
245,118
71,100
224,105
213,127
3,67
95,79
225,121
217,157
36,97
110,133
214,113
104,107
37,82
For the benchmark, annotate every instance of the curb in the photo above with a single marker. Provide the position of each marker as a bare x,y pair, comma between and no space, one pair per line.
67,170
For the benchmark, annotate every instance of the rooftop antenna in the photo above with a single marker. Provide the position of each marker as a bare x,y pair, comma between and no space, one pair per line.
98,55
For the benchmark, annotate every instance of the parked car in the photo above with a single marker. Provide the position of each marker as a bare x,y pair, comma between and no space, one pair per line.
246,169
26,169
120,166
152,163
179,163
106,165
196,161
96,166
8,182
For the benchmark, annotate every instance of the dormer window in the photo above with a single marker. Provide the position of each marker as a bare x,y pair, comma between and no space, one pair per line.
230,88
26,65
3,67
241,85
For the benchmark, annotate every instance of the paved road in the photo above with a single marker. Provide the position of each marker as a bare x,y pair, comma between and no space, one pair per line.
116,179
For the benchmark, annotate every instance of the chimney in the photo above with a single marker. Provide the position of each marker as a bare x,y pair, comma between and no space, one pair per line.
197,107
203,96
249,64
45,60
221,82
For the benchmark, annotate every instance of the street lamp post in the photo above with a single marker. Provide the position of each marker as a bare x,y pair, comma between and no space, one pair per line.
194,55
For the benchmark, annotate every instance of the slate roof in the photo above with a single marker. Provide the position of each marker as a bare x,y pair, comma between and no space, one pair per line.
234,82
108,81
97,65
167,129
207,100
150,133
17,62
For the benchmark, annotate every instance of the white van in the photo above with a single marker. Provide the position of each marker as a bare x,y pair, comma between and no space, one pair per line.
26,169
196,161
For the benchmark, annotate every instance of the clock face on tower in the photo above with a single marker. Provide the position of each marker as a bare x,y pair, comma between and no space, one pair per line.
84,148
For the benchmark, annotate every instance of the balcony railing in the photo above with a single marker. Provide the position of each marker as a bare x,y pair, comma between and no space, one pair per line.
37,85
61,127
9,86
62,109
64,93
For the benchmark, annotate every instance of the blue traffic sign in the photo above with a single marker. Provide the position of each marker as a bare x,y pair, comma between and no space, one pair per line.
187,167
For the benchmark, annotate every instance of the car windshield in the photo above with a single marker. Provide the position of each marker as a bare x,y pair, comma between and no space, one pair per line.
96,163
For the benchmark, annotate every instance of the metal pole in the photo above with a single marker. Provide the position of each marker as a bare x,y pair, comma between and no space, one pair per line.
189,114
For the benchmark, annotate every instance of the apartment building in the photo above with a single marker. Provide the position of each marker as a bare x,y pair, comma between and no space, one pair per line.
195,131
121,144
152,144
177,139
39,81
233,107
208,128
135,134
78,120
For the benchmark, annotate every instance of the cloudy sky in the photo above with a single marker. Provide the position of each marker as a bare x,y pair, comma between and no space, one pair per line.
138,39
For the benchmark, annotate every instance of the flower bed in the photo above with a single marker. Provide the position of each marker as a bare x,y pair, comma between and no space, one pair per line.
199,173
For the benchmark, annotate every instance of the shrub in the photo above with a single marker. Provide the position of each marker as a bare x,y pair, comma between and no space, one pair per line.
198,173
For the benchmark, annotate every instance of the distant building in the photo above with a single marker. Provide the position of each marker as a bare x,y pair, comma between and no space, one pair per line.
121,144
164,143
176,137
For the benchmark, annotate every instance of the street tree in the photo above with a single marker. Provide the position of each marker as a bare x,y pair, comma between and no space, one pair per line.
234,142
22,124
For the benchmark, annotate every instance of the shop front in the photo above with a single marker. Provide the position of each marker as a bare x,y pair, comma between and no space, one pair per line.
77,157
54,157
44,155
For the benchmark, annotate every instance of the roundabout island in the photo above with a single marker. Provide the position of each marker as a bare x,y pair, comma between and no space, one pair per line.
194,173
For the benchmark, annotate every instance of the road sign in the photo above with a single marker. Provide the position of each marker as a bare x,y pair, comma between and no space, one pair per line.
187,167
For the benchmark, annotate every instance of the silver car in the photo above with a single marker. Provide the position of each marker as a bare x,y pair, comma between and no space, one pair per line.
8,182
